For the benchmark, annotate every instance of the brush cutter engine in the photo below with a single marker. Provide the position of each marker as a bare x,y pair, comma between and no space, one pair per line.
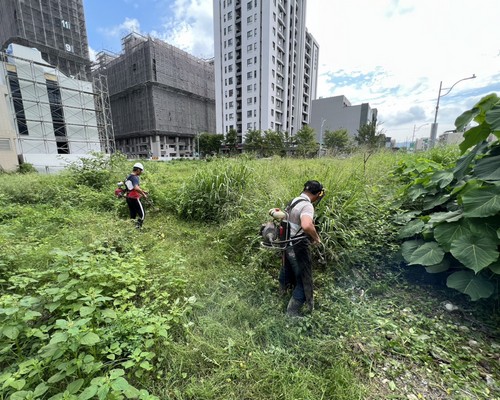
276,233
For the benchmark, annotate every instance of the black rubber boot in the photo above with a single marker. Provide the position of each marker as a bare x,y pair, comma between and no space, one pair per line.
293,308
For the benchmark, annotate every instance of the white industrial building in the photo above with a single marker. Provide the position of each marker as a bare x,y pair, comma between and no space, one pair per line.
266,66
54,116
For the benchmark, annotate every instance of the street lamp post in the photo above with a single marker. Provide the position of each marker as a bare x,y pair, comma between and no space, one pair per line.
434,125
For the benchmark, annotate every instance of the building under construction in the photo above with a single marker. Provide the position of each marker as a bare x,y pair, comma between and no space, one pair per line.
49,119
55,27
161,98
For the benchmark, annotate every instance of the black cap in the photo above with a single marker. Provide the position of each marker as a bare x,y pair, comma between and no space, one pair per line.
313,187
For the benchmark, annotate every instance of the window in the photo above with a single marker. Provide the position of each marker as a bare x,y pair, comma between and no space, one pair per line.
249,19
230,67
65,24
249,48
229,15
231,104
249,75
249,125
231,81
249,34
230,55
229,29
17,99
230,42
249,61
231,92
249,113
249,5
249,88
5,144
249,100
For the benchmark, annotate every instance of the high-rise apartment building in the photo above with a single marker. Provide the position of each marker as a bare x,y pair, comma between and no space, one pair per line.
55,27
266,66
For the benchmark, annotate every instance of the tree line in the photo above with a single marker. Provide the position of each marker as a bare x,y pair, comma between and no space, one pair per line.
270,143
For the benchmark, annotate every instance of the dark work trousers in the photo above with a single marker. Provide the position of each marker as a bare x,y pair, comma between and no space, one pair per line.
296,272
136,210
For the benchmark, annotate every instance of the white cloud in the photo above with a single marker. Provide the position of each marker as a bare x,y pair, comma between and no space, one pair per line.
126,27
190,27
411,45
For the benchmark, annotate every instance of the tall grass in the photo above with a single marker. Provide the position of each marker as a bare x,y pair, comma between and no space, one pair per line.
204,276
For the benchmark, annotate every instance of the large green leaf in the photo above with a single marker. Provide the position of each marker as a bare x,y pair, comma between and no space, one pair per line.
445,234
409,247
485,227
474,136
89,339
473,285
428,254
482,202
464,162
495,267
412,228
467,116
493,117
474,252
488,168
416,191
441,267
442,178
450,216
434,201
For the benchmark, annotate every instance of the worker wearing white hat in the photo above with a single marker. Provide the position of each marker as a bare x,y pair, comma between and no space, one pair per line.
134,194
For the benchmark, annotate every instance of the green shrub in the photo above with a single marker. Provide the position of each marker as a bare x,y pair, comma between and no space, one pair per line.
452,221
214,192
26,168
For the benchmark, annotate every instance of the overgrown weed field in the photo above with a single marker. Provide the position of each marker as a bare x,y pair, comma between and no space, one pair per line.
188,307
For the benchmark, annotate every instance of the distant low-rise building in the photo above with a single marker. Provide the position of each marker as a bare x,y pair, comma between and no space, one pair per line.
334,113
450,137
161,98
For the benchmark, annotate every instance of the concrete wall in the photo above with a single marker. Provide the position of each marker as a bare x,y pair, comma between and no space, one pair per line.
8,154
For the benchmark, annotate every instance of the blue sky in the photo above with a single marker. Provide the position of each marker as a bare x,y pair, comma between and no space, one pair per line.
392,54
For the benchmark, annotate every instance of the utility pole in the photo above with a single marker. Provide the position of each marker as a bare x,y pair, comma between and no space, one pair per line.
434,125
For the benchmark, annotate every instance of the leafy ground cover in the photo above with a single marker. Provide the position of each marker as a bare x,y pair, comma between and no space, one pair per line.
188,309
